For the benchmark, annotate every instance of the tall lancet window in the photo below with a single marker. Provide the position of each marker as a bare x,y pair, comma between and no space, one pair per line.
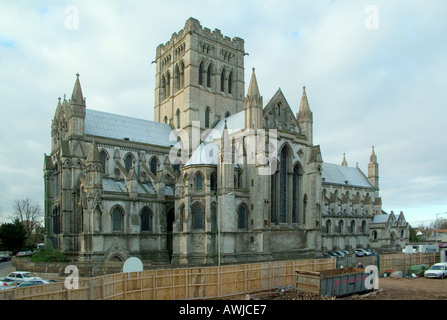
295,194
208,77
103,157
273,198
128,162
207,117
222,81
201,73
230,83
283,187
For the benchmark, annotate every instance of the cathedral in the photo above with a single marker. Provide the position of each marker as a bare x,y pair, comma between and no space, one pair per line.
217,177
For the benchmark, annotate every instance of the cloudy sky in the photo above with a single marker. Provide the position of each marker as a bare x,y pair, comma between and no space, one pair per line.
375,74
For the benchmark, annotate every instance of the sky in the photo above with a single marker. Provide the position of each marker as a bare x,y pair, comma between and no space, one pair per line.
375,74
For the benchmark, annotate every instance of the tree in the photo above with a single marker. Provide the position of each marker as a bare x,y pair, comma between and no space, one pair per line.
29,214
12,236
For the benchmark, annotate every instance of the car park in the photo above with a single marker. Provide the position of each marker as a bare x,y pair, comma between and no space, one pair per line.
438,270
22,276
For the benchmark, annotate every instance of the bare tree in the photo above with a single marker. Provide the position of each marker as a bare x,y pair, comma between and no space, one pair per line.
29,214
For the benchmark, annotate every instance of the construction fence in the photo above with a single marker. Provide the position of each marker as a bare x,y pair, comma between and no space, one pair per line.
176,284
201,282
403,261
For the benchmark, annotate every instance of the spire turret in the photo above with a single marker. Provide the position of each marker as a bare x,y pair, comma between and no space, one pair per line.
76,110
93,154
305,117
253,105
344,162
373,170
304,106
77,97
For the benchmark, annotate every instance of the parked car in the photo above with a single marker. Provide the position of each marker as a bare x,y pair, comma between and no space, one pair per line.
438,270
22,276
7,283
24,253
5,257
35,283
341,253
337,254
333,255
365,252
359,253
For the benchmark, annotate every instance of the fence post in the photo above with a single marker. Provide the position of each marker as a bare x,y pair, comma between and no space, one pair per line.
90,290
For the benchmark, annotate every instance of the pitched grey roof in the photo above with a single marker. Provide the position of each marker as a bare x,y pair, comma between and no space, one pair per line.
206,153
103,124
235,123
381,218
349,176
111,185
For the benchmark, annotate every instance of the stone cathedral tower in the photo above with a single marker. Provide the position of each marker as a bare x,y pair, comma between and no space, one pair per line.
199,77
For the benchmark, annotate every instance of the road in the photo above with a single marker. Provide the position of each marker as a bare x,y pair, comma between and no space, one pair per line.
5,268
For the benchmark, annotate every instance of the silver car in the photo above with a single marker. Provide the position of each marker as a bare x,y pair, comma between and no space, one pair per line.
438,270
22,276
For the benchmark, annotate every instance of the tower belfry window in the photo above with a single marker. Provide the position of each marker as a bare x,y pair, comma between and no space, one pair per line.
208,77
222,81
201,73
207,117
230,82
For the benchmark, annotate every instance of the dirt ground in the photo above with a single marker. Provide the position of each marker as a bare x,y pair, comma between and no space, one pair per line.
407,289
389,289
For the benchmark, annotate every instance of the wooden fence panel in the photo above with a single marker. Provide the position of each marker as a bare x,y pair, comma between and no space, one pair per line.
166,284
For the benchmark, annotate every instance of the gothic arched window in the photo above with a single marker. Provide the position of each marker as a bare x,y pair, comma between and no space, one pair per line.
199,182
208,76
242,217
128,161
213,181
103,157
117,219
295,194
340,226
328,226
207,117
163,88
201,73
177,115
283,187
230,83
154,165
146,220
168,85
352,226
222,81
176,78
197,217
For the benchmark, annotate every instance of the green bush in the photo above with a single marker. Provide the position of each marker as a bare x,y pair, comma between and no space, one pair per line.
49,255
